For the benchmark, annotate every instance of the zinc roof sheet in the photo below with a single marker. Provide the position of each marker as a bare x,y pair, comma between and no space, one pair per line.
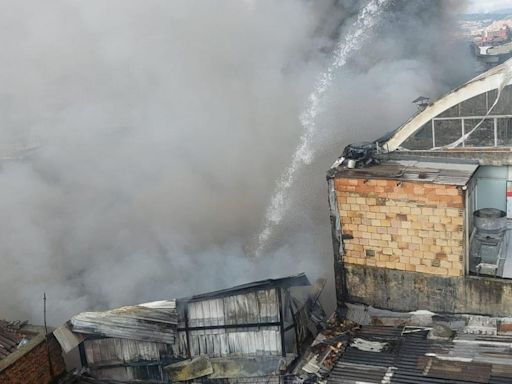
413,358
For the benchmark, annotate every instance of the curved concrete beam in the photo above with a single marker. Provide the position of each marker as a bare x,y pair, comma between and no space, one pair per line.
485,82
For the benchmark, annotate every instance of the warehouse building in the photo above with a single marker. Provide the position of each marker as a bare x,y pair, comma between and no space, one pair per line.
420,218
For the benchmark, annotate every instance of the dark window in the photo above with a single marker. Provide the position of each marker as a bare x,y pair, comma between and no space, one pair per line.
451,112
505,131
504,105
476,106
447,131
483,136
421,139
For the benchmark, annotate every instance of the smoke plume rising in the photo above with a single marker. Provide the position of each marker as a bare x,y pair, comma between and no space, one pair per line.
161,128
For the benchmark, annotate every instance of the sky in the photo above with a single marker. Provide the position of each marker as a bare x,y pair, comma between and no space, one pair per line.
478,6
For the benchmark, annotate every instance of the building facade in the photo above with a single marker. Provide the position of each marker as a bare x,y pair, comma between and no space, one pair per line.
420,218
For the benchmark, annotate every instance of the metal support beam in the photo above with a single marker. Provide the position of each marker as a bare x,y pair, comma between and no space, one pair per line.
281,321
231,326
187,333
294,325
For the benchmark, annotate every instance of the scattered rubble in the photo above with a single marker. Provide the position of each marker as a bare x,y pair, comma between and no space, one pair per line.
250,332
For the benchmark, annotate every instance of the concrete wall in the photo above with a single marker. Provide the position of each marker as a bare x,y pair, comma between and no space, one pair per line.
29,364
408,226
409,291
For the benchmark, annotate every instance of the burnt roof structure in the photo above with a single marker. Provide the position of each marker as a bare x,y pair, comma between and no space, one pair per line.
248,332
299,280
404,355
433,171
156,321
10,338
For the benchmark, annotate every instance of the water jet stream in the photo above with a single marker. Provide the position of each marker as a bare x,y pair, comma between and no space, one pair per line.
304,152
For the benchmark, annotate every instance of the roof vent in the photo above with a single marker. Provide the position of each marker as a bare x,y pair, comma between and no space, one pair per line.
422,102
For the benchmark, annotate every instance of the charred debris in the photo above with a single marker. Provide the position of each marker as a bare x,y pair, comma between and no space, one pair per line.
256,332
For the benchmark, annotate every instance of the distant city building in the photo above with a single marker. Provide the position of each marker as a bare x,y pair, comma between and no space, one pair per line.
496,33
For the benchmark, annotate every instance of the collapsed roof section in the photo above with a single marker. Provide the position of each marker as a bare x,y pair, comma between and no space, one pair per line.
156,322
10,338
379,354
248,331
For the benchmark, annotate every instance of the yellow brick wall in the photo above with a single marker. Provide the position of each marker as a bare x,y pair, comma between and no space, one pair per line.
412,226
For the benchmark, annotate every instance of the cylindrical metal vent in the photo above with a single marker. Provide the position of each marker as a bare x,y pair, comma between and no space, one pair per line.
490,220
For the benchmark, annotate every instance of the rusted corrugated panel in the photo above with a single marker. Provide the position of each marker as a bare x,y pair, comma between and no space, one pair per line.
9,339
146,322
413,358
345,373
112,351
455,370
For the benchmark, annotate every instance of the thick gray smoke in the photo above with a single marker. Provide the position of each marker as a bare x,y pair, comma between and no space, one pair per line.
161,129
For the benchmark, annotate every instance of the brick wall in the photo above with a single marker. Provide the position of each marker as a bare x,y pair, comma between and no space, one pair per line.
32,367
409,226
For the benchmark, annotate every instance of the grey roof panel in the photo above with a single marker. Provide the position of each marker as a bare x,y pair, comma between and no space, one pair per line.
146,322
413,358
449,173
299,280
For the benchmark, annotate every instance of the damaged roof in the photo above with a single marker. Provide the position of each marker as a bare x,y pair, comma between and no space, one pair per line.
156,321
380,354
240,334
9,338
299,280
451,173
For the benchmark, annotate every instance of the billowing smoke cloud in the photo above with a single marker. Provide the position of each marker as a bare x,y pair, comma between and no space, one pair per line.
162,127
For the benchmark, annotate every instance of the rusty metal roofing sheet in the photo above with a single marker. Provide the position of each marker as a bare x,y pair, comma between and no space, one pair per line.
413,358
451,173
9,339
146,322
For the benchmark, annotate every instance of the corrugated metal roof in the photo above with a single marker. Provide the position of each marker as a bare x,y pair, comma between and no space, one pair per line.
112,351
413,358
451,173
9,338
239,321
237,341
260,306
299,280
146,322
243,322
